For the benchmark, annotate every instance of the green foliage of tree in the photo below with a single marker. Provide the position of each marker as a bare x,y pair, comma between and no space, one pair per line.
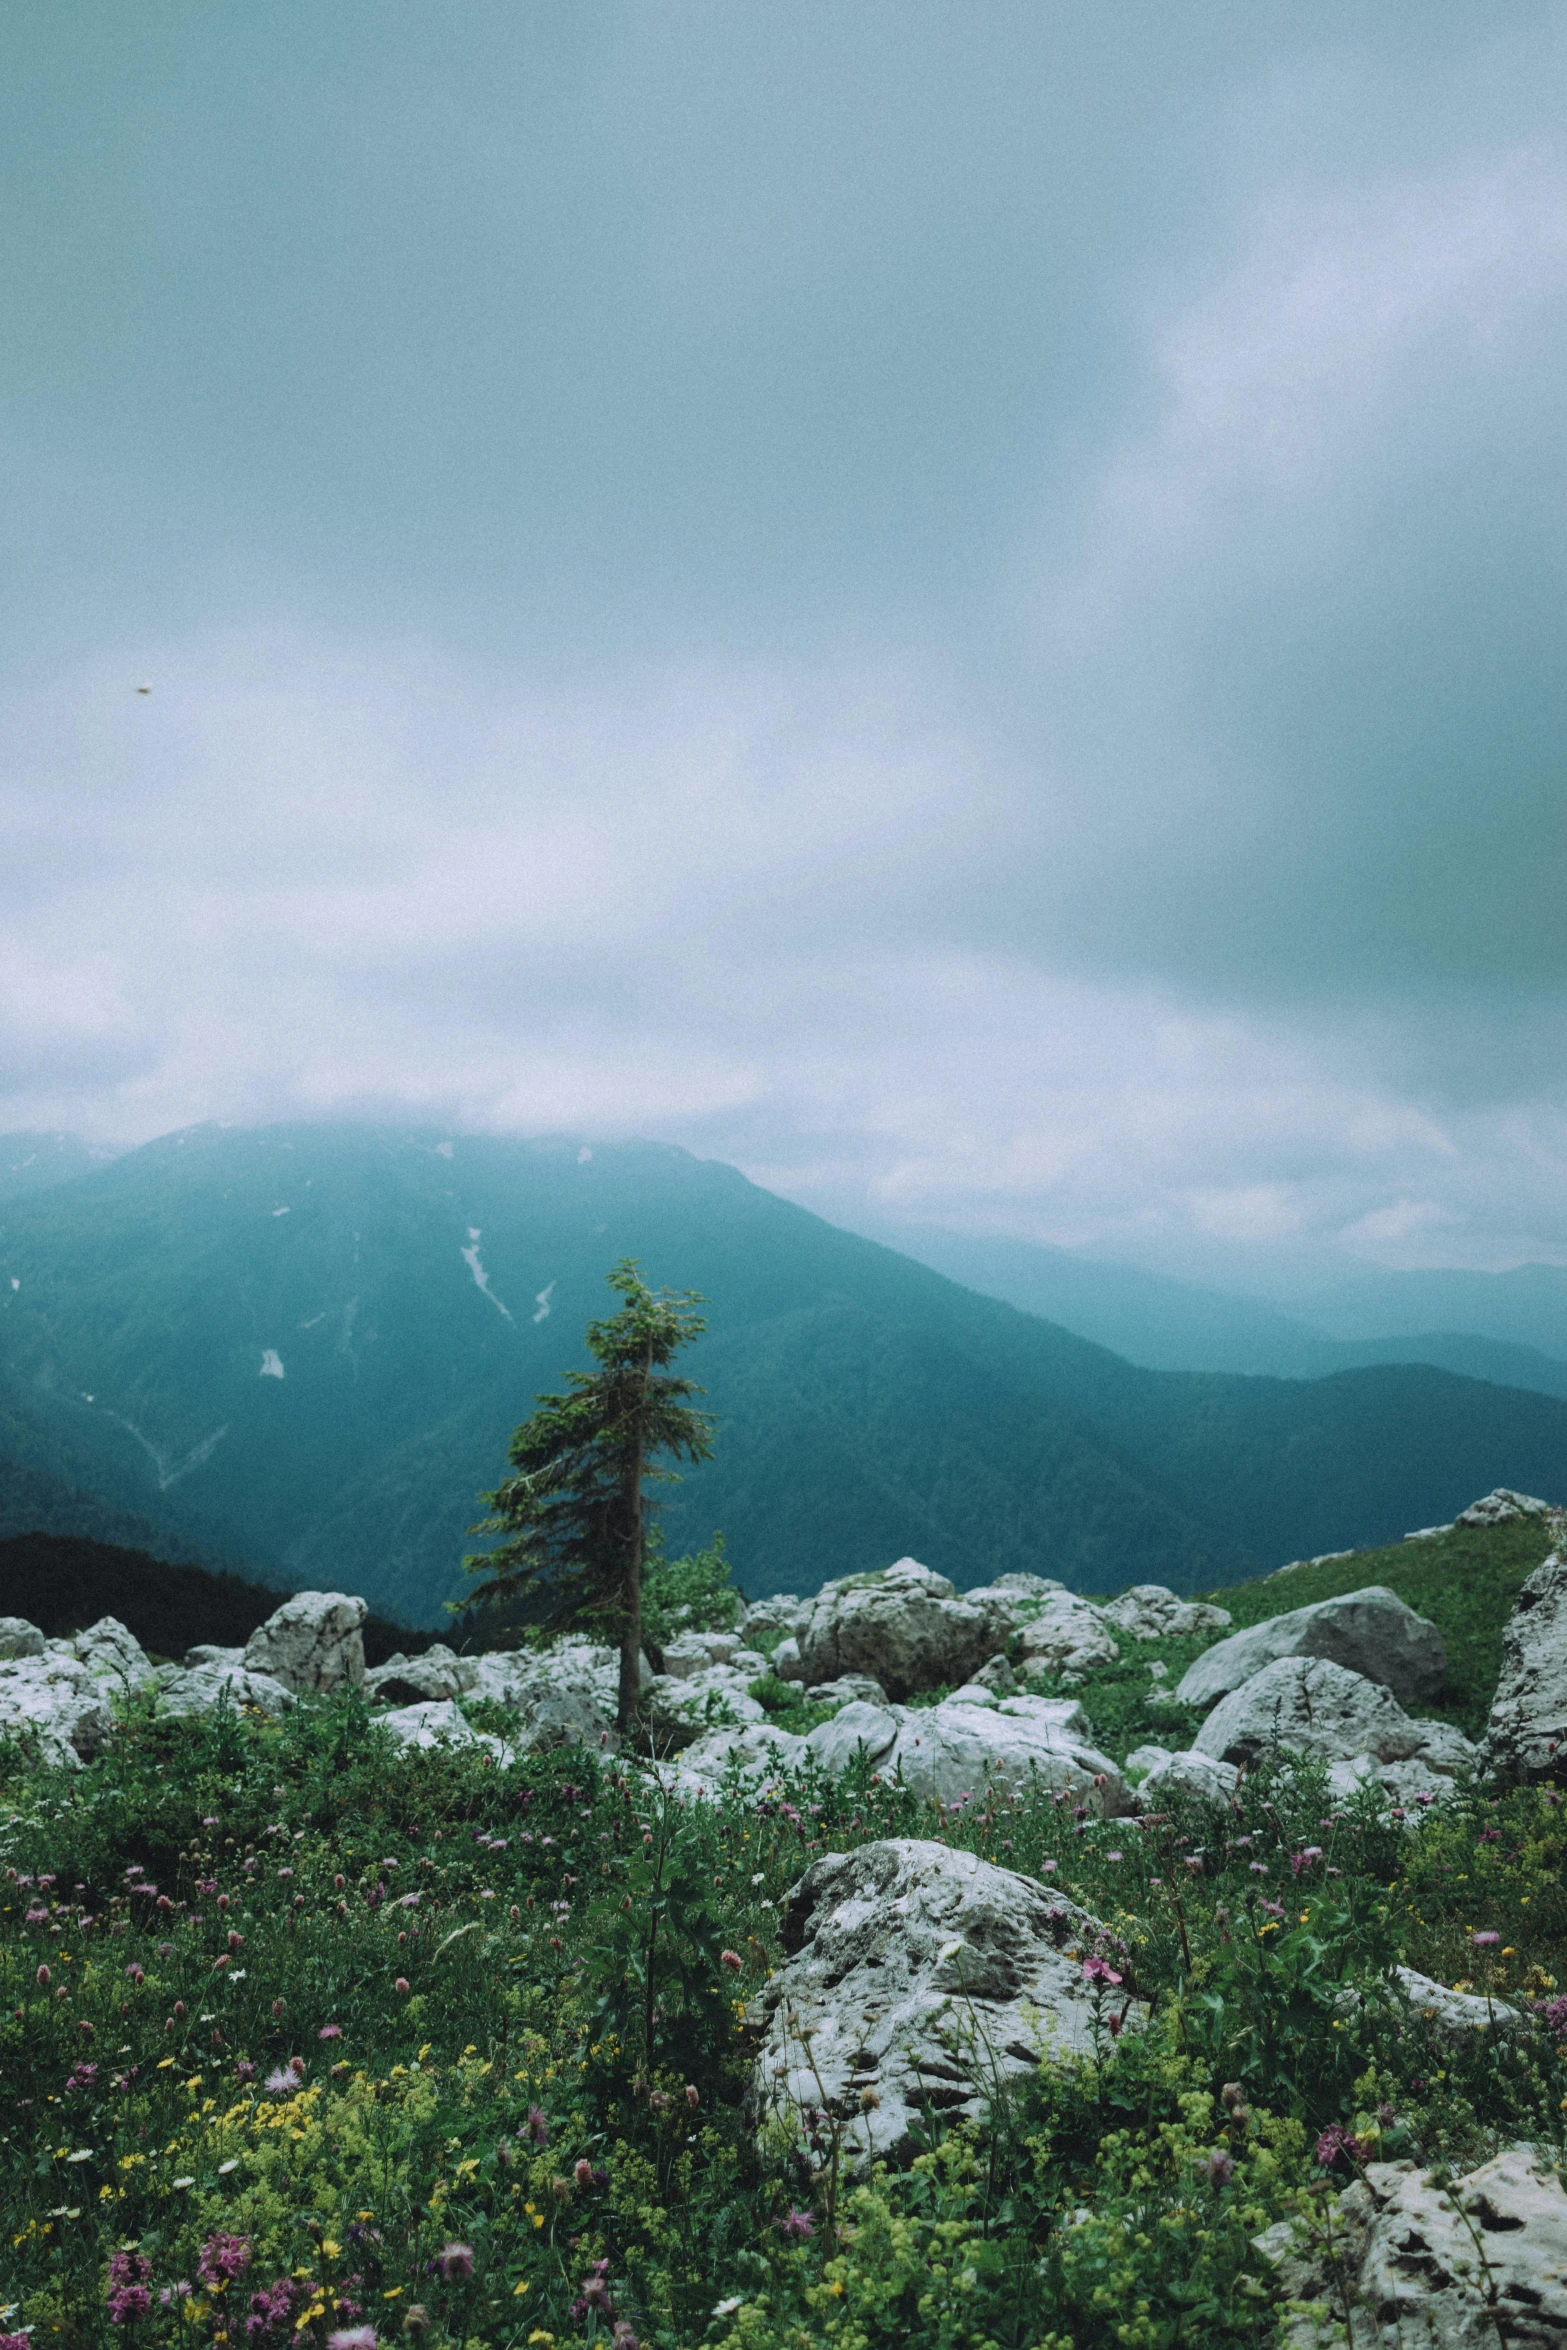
574,1510
693,1594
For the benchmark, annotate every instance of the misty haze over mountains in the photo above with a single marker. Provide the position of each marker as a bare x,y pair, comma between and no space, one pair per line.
304,1348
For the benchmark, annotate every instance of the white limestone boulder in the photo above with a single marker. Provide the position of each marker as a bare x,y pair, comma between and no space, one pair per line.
1307,1705
188,1690
19,1638
1189,1777
207,1652
1143,1759
1151,1612
1498,1508
679,1712
1526,1736
848,1688
785,1662
971,1740
747,1758
1477,2264
417,1680
114,1655
916,1981
1068,1635
565,1694
904,1626
438,1723
698,1652
767,1619
312,1643
1369,1632
51,1701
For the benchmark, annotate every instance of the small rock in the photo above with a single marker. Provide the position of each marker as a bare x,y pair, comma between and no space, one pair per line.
779,1613
438,1673
1147,1758
115,1655
438,1724
749,1757
1190,1777
1495,1509
1369,1632
846,1689
1068,1635
312,1643
996,1674
19,1638
785,1661
698,1652
678,1712
968,1742
206,1653
915,1979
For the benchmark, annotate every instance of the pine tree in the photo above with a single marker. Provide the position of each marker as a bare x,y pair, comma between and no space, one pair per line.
574,1510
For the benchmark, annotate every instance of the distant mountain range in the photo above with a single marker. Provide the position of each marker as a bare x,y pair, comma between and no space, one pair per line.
302,1350
1510,1328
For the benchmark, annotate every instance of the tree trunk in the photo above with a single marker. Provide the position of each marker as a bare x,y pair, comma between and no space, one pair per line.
631,1584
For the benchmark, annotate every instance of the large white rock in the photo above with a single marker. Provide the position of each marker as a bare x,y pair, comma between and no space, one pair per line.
200,1689
53,1701
19,1638
1369,1632
905,1626
969,1740
698,1652
312,1643
1150,1612
416,1680
113,1654
916,1980
1308,1705
1526,1736
1480,2264
748,1758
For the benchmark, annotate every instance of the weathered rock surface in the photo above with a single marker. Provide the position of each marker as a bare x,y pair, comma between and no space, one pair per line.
19,1638
1495,1509
905,1627
1068,1635
312,1643
1478,2265
415,1680
846,1689
785,1660
698,1652
1369,1632
1408,1783
563,1695
202,1688
780,1612
1526,1736
954,1748
752,1756
1189,1777
923,1976
678,1712
113,1654
206,1652
1308,1705
52,1700
1149,1612
438,1723
1148,1758
1457,2012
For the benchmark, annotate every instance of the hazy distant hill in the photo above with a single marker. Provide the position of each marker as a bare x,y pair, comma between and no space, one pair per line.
35,1162
313,1343
1464,1322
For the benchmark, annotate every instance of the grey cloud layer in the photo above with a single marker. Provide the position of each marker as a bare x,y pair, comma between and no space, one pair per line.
961,608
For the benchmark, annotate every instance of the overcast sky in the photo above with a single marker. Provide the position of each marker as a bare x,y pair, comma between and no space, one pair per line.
961,604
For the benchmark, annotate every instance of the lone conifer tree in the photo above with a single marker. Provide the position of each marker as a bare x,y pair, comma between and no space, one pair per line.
574,1509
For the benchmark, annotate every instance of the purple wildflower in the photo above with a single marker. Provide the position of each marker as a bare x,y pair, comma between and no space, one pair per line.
1485,1941
1337,2145
223,2258
455,2260
352,2338
1219,2165
282,2082
538,2125
330,2032
798,2225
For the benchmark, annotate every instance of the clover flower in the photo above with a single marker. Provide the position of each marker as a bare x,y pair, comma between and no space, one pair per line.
798,2226
352,2338
455,2260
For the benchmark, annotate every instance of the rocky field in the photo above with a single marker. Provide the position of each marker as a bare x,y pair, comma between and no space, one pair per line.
935,1969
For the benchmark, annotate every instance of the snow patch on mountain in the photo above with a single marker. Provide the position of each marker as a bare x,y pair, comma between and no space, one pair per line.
475,1265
